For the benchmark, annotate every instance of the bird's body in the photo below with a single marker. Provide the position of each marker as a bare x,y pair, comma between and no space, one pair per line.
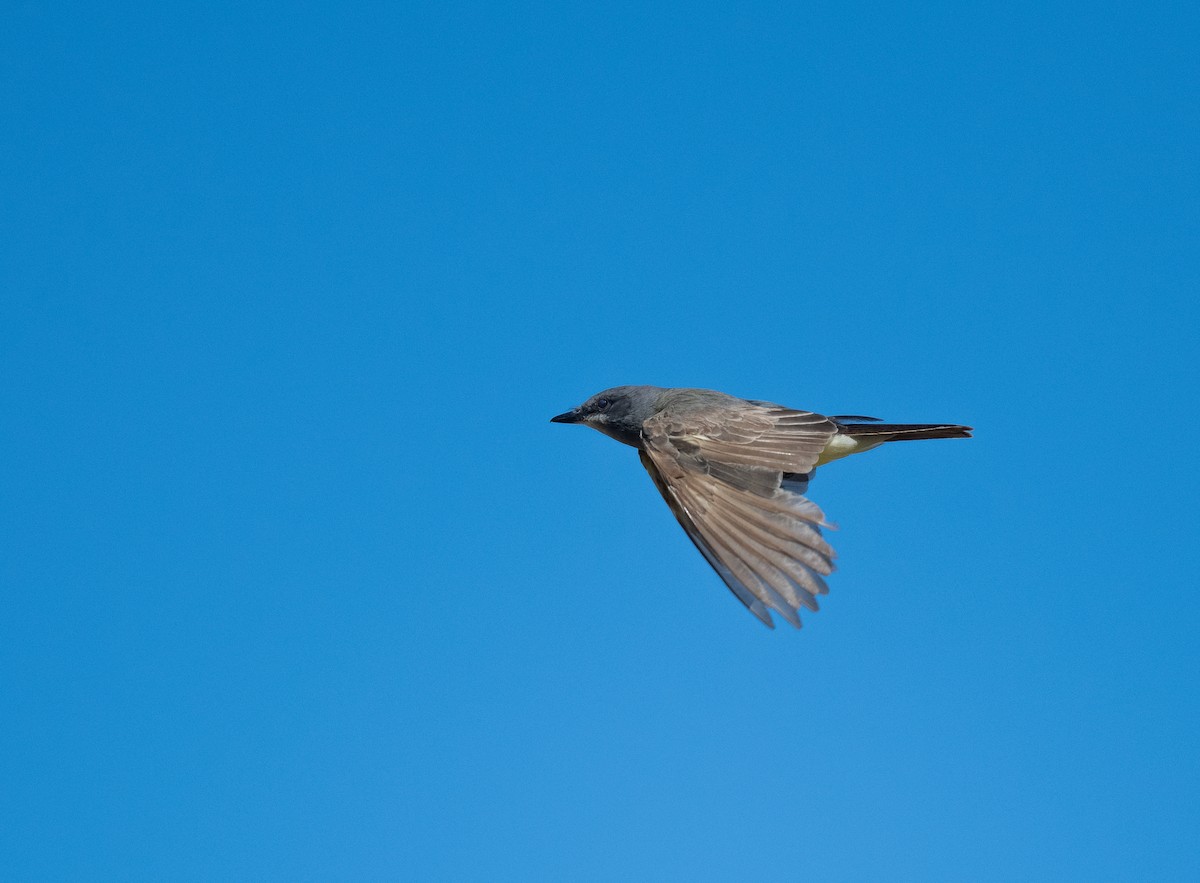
734,472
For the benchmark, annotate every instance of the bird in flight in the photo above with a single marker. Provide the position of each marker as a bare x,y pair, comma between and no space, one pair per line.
735,471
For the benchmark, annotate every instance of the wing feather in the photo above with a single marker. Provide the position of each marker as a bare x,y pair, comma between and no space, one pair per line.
743,594
722,472
741,433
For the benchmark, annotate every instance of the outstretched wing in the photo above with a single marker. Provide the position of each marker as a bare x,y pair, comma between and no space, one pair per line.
730,473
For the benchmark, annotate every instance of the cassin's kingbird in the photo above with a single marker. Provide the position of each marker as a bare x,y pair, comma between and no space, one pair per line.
734,472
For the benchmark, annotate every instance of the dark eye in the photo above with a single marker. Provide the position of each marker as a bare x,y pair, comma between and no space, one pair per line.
602,404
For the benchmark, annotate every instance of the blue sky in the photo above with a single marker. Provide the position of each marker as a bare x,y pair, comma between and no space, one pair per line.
299,582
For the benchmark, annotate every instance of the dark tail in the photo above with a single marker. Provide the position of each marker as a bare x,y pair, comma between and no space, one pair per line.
905,431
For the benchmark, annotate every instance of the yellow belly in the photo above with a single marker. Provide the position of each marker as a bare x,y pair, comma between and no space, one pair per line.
844,445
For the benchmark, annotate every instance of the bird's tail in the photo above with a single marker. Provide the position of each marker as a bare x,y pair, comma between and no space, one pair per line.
890,432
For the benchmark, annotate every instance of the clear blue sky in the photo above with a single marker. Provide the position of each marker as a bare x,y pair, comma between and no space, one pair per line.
298,582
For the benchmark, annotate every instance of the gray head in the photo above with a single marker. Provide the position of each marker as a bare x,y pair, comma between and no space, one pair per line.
618,412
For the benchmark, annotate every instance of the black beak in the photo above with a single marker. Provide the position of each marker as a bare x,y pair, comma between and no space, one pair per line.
571,416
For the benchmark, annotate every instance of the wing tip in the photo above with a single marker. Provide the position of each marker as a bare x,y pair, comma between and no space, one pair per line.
764,615
789,614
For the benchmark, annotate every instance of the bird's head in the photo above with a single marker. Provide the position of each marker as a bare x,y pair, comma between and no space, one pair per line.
618,412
